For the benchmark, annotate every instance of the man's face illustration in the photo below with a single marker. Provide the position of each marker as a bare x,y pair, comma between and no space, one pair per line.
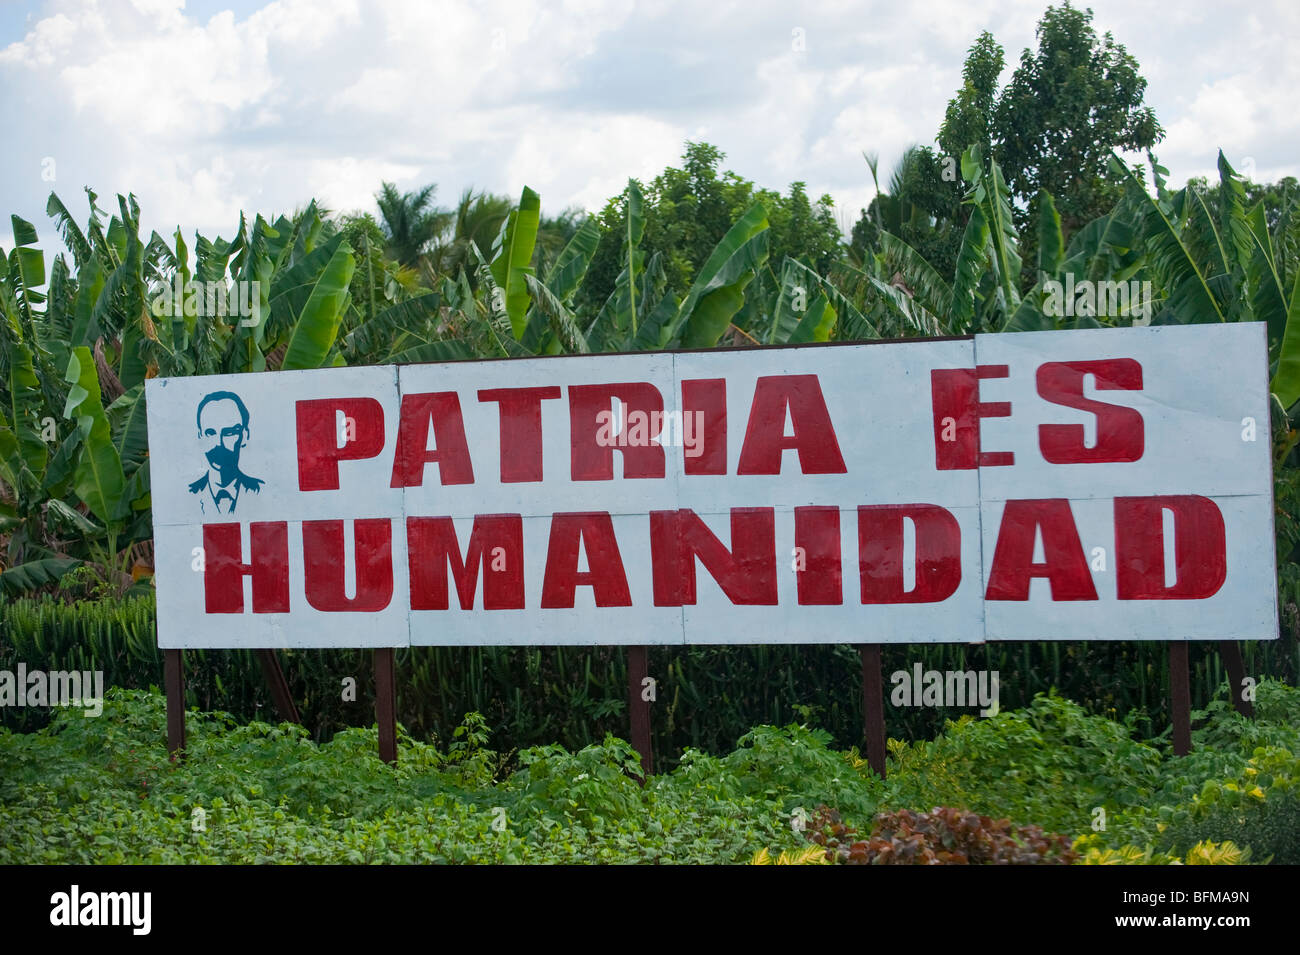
221,429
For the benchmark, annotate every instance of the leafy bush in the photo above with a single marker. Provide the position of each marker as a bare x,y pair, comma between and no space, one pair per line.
1050,762
709,697
1260,807
942,836
1203,853
102,790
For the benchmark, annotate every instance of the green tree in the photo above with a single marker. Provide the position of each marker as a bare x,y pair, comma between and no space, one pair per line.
411,222
1053,126
1066,108
478,218
922,206
378,280
969,119
687,212
802,228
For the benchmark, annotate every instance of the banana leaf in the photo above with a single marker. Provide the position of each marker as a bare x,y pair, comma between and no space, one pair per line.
718,291
99,481
513,255
317,325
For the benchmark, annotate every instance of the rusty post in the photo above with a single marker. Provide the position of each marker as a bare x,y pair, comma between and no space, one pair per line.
1180,697
638,707
385,704
873,707
174,682
1230,652
275,679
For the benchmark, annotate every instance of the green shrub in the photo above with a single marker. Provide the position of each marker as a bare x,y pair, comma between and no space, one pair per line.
708,696
1050,762
1259,807
96,790
1203,853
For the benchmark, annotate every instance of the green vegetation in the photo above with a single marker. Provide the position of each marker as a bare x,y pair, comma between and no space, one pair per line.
1026,192
707,696
102,790
74,462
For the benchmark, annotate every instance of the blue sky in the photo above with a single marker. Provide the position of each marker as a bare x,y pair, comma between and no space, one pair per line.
208,107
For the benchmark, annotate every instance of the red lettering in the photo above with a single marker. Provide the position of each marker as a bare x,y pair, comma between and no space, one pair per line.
224,568
590,460
1064,563
746,573
496,545
814,435
880,553
593,532
817,537
521,430
318,438
441,409
322,546
1200,552
1119,429
954,399
708,396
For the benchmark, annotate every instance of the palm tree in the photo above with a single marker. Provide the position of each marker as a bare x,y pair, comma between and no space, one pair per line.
554,233
411,223
920,204
478,218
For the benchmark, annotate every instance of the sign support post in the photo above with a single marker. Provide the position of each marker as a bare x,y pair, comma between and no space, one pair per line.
385,705
174,681
1180,697
873,707
275,679
1231,654
638,707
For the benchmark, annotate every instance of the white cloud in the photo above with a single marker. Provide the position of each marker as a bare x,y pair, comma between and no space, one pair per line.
204,115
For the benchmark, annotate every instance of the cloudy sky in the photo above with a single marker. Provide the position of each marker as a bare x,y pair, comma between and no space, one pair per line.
206,107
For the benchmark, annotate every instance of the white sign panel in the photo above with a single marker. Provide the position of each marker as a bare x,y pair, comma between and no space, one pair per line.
1112,484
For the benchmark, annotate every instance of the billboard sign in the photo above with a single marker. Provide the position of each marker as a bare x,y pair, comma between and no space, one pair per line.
1109,484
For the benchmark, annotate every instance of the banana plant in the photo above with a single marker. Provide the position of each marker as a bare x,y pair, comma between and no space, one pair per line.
34,461
1218,263
807,307
110,471
616,323
552,325
1102,251
512,253
24,460
717,293
984,293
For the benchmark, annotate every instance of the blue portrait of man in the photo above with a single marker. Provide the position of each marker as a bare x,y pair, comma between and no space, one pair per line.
222,421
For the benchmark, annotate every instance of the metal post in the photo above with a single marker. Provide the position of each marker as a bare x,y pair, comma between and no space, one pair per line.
638,707
1231,655
385,704
873,707
275,679
174,681
1180,697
